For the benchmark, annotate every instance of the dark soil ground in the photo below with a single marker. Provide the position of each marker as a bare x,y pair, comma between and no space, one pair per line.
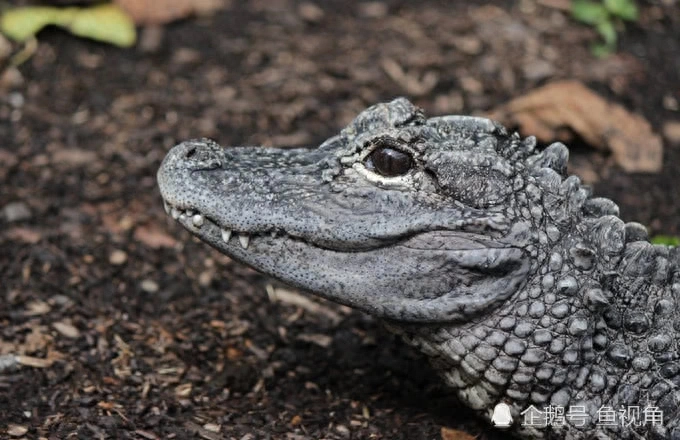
135,330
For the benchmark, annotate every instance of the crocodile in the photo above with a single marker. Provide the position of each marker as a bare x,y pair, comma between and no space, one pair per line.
474,245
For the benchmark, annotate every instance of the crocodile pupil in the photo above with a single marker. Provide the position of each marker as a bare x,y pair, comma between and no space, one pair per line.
390,162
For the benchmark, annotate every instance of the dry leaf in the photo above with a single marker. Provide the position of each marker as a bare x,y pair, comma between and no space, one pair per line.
30,361
146,434
118,257
315,338
454,434
16,430
212,427
293,298
556,111
37,308
165,11
25,235
66,329
36,340
154,237
671,131
106,406
410,82
73,157
149,286
183,390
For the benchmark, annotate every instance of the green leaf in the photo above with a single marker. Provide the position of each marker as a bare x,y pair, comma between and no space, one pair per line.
601,50
20,24
107,23
624,9
666,239
608,32
589,12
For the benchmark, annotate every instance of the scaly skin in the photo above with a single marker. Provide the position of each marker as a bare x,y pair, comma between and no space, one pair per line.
477,249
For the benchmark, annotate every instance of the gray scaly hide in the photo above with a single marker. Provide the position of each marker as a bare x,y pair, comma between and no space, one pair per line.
472,245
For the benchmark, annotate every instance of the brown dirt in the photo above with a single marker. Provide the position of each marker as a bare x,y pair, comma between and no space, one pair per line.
146,333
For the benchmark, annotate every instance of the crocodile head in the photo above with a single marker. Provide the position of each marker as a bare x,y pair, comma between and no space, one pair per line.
404,217
478,250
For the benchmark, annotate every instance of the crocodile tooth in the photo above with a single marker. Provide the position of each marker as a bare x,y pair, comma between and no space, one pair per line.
273,234
244,240
166,207
175,213
226,235
197,220
189,212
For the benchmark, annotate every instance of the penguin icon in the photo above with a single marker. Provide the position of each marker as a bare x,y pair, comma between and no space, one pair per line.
501,417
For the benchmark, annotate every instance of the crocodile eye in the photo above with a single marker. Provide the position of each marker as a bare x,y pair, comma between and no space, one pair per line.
389,162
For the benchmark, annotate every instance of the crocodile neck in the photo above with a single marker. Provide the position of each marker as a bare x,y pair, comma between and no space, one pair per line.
592,329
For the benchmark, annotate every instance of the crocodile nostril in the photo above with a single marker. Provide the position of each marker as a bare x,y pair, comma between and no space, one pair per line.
190,153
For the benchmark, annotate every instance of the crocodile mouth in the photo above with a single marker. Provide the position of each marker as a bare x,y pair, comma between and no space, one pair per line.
465,272
200,224
235,240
